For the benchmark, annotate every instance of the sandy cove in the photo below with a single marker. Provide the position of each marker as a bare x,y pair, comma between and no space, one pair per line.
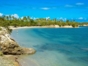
56,26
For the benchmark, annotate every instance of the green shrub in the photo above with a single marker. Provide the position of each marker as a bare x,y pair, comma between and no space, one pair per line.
0,28
1,54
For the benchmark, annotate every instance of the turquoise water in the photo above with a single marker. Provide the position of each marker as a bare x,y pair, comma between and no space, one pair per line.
54,46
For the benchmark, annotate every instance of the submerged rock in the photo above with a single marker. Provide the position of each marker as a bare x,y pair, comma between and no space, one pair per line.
10,46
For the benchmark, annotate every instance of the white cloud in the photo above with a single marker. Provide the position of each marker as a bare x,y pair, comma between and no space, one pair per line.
69,5
15,15
47,18
64,19
1,14
21,17
45,8
61,18
35,18
80,18
79,3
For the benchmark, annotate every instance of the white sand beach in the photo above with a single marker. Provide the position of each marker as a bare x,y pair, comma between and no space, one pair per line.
52,26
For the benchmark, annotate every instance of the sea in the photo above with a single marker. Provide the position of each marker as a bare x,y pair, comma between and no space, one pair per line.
54,46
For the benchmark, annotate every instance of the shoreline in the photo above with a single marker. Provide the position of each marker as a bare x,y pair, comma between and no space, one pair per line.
13,28
10,49
26,27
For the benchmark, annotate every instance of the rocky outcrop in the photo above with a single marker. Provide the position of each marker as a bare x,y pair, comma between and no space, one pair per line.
29,50
10,46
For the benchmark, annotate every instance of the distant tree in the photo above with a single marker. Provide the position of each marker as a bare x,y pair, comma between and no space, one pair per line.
27,21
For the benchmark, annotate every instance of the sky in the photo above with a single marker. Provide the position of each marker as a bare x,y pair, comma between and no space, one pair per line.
59,9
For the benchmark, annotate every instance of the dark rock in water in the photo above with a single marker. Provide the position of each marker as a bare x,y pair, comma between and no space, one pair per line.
10,47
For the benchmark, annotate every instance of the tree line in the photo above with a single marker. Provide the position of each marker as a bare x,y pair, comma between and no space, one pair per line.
6,21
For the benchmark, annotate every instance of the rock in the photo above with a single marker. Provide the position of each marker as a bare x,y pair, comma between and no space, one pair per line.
29,51
10,47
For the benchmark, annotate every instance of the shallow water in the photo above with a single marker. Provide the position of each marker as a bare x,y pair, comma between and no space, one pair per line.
55,46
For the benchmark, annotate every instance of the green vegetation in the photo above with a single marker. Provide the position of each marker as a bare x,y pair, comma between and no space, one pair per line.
6,21
1,54
9,30
0,28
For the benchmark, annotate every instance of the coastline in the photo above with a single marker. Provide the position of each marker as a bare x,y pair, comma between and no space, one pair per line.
10,49
40,52
12,27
